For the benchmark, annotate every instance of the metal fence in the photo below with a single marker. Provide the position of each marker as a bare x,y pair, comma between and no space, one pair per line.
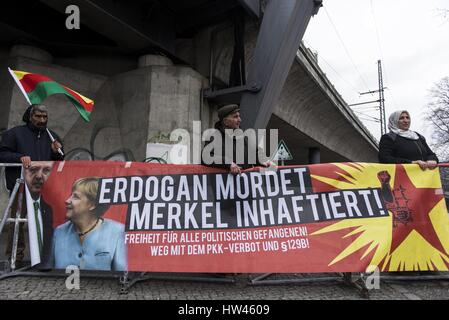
127,280
444,175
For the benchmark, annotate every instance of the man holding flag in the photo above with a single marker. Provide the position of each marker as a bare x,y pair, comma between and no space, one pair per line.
34,141
23,144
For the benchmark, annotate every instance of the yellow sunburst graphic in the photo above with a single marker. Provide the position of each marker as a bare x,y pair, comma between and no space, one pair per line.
375,234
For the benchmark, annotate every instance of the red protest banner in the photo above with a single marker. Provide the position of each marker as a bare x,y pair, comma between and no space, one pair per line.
346,217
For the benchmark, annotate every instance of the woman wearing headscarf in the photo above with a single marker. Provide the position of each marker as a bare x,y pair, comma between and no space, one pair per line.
402,145
88,240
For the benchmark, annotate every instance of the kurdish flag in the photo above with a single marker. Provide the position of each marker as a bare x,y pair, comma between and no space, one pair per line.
36,88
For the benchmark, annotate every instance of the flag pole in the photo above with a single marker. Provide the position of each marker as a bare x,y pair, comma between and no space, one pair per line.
19,85
53,140
29,102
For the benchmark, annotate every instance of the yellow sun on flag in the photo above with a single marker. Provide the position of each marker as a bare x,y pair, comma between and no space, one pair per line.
375,235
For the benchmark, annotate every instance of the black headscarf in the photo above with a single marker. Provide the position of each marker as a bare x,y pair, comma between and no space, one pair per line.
27,114
27,118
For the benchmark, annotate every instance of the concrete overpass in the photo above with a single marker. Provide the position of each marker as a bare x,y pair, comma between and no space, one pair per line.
148,66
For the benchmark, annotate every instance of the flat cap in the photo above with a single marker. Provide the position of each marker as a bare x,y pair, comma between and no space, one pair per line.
226,110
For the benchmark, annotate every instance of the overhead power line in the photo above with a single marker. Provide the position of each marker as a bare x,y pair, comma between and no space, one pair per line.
336,72
346,49
379,44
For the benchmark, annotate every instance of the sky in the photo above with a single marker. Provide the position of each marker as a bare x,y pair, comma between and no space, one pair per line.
410,37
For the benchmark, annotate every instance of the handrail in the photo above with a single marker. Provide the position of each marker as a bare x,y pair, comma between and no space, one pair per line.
10,164
442,165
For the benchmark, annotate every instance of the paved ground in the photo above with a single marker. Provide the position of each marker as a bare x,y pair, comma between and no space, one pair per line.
26,287
42,288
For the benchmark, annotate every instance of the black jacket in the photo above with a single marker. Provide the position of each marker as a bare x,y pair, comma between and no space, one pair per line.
244,160
25,140
47,237
396,149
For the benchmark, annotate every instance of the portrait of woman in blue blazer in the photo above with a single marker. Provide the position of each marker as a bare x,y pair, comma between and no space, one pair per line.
88,240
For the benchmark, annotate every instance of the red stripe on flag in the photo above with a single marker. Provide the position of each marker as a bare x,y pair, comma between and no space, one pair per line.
87,106
31,80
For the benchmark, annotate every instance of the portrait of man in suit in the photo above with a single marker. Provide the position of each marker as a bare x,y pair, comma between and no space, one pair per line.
40,214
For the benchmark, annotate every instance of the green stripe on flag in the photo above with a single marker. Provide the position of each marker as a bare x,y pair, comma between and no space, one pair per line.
47,88
43,90
83,112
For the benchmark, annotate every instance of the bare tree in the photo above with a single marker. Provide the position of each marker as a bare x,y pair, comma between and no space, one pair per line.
438,117
444,12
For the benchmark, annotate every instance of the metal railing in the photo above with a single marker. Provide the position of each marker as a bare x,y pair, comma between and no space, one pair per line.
17,190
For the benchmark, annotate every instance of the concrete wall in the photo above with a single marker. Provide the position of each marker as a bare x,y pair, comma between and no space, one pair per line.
107,65
308,101
136,103
100,138
214,48
130,109
306,106
62,114
138,106
5,97
175,99
6,87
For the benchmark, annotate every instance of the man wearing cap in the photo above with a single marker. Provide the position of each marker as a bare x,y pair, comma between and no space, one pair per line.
23,144
227,127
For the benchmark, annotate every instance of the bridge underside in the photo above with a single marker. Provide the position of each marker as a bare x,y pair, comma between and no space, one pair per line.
301,146
145,65
311,114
